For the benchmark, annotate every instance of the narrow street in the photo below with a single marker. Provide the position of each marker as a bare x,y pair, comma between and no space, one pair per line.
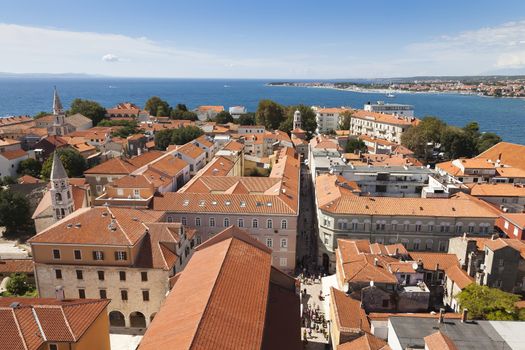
306,226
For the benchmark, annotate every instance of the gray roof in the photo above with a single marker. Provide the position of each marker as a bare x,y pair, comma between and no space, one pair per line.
78,120
469,335
57,170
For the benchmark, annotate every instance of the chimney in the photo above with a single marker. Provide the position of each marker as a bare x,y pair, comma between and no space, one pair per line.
376,261
441,316
494,237
59,293
464,315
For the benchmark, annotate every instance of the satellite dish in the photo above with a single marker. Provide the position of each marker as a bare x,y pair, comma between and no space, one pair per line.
415,265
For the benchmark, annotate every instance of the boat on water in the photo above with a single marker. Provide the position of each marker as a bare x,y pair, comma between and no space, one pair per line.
390,95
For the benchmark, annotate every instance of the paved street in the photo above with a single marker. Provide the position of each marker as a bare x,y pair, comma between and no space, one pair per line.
306,227
315,330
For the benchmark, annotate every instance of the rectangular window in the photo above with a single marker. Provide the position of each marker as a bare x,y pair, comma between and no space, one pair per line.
240,223
122,275
120,255
212,222
269,242
197,222
144,276
124,295
56,254
418,228
284,243
145,295
58,274
136,193
53,347
101,275
80,275
103,294
82,294
98,255
78,255
283,262
430,228
184,221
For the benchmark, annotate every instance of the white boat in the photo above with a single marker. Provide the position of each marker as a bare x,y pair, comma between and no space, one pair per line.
390,95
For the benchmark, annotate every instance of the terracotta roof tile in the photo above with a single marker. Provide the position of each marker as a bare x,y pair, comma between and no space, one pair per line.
16,265
432,260
439,341
190,150
459,276
19,153
365,342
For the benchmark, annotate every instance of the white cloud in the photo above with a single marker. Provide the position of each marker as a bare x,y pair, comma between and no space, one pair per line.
51,50
110,58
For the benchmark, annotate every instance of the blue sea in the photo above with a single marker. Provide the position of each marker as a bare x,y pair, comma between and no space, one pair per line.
506,117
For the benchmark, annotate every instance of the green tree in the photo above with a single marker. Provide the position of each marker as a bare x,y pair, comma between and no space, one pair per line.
125,127
41,114
181,114
223,117
246,119
355,145
91,109
485,303
344,120
7,180
18,285
30,167
457,143
181,107
15,214
418,138
486,141
179,136
154,104
72,160
270,114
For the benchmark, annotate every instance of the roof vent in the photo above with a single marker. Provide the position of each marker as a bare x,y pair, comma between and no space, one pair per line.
69,225
112,225
78,225
14,305
105,214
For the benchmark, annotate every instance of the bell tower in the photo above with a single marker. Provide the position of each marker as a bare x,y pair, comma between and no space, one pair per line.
61,191
297,123
59,118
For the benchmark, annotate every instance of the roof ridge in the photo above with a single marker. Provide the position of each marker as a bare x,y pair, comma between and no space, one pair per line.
19,329
212,292
67,324
35,315
113,217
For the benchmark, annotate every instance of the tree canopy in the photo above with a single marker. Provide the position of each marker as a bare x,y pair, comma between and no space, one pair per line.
183,114
179,136
223,117
157,107
453,141
344,120
91,109
41,114
73,162
15,213
485,303
29,166
270,114
245,119
308,121
354,145
125,127
18,285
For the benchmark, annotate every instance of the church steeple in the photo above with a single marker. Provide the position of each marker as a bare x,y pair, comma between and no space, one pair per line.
297,122
61,191
57,105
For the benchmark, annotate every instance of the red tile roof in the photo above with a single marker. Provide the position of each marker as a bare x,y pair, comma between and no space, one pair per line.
16,265
19,153
432,260
349,315
365,342
220,299
439,341
459,276
37,320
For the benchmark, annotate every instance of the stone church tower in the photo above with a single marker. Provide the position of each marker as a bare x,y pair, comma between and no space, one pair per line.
59,126
297,123
61,191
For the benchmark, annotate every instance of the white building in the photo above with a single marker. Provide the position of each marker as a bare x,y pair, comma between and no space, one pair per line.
327,118
237,111
380,125
390,108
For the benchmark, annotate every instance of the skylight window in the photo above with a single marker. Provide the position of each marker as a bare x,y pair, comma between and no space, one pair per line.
269,204
227,202
186,202
201,203
243,204
214,202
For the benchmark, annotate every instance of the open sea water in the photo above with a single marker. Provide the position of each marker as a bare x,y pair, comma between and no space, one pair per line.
28,96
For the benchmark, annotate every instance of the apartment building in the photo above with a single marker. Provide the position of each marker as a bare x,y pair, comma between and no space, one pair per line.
264,144
417,223
125,255
207,145
205,113
266,207
495,262
229,296
127,110
328,119
380,125
192,154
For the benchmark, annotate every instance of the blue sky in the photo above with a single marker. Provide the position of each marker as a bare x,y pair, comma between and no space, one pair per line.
263,39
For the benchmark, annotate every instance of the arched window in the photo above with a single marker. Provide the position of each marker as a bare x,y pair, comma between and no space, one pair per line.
116,319
137,320
269,223
255,223
284,224
226,222
58,197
